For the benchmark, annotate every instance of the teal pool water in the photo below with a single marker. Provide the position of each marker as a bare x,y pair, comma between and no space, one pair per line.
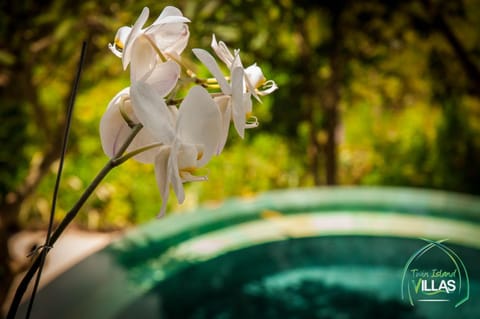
321,277
311,253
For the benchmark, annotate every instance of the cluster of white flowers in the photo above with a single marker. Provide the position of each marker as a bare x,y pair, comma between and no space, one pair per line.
180,134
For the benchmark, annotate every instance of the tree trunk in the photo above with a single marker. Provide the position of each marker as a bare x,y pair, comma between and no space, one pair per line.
440,24
331,99
314,147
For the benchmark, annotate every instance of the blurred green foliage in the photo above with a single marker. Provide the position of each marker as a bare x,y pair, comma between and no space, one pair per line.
408,107
11,131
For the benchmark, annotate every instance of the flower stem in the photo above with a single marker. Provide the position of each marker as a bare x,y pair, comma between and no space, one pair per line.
112,163
131,154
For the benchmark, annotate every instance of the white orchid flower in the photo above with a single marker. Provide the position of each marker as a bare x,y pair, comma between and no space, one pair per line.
189,142
114,128
256,82
235,104
141,46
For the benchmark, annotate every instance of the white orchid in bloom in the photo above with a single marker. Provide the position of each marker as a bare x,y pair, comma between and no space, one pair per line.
114,128
121,113
256,82
189,139
236,103
144,47
177,134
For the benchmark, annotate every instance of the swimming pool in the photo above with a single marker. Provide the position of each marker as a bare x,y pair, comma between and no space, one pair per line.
339,252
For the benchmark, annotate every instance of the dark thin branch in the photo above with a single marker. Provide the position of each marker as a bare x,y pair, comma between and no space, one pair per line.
66,134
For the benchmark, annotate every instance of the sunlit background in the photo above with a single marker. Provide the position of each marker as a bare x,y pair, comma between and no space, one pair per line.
371,93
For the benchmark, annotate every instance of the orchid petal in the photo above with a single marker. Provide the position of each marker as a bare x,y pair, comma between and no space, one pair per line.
143,58
199,122
170,13
161,176
174,174
170,31
164,77
180,43
267,88
247,103
134,33
152,111
173,112
170,20
114,130
238,109
224,103
246,84
189,177
255,75
237,62
222,51
120,40
252,124
171,38
209,61
115,51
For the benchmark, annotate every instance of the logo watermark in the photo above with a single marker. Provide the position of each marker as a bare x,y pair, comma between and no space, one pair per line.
435,274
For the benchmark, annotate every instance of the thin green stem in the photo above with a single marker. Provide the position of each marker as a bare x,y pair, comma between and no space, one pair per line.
112,163
125,116
131,154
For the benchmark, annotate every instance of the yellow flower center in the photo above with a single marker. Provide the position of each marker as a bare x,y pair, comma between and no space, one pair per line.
118,44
